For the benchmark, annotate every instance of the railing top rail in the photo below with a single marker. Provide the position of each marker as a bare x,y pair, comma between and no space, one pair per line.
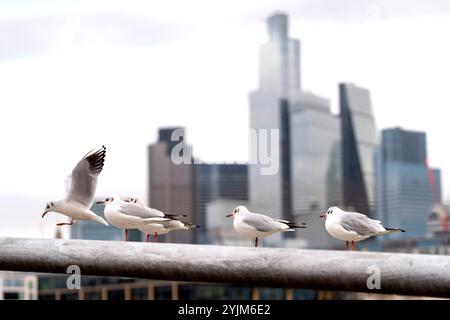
406,274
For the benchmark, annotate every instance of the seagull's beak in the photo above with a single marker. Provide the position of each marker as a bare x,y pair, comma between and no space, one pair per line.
100,202
322,216
230,215
45,212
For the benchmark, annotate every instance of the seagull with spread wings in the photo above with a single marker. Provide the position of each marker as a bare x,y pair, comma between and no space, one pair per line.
81,190
258,226
353,226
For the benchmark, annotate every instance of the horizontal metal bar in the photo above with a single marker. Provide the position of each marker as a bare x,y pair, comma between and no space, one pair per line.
406,274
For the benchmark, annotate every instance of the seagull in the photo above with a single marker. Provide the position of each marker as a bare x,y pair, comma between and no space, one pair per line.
81,185
258,226
353,226
161,227
128,215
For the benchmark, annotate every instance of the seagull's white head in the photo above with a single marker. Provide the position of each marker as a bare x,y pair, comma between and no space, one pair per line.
331,211
50,206
108,200
238,210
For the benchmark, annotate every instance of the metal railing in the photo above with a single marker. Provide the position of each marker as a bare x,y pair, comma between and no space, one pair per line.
405,274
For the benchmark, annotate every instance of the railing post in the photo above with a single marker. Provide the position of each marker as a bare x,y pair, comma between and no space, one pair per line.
81,294
255,294
151,291
104,293
174,290
57,294
289,294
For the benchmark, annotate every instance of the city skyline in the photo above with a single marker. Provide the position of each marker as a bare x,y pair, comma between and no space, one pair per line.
125,164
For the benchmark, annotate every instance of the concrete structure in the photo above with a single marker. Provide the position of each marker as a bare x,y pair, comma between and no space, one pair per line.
409,274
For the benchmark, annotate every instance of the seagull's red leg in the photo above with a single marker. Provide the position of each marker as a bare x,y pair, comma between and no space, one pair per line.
148,237
256,242
156,236
126,234
346,245
353,245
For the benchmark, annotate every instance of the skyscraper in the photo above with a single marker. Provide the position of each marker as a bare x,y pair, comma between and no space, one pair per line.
315,173
308,144
279,79
224,181
404,196
359,141
172,181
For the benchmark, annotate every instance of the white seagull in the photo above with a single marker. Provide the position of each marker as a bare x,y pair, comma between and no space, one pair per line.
258,226
161,227
81,189
128,215
353,226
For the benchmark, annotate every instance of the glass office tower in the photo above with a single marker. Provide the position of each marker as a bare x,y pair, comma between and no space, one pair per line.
279,79
315,164
213,181
404,196
359,141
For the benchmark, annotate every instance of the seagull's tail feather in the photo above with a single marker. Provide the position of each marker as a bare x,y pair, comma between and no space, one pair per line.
191,225
100,220
389,230
293,225
175,216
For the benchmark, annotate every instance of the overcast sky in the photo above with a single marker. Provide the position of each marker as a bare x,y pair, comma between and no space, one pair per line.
75,74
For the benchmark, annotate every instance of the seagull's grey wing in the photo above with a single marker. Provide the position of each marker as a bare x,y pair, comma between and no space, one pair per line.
83,180
137,210
360,223
262,223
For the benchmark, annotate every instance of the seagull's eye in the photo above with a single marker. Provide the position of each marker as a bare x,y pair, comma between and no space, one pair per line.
107,199
48,207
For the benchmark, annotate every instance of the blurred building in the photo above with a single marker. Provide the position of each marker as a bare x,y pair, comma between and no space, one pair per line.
315,164
220,228
359,141
279,79
404,194
308,142
90,230
172,179
217,181
438,222
18,286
